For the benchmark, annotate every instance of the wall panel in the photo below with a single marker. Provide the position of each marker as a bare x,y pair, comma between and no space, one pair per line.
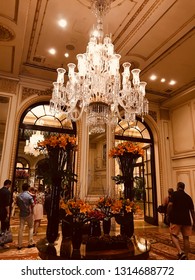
182,129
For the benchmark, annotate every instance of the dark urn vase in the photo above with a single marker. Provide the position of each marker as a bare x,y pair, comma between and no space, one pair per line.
67,226
76,234
66,245
53,216
71,228
95,229
71,238
126,223
106,226
126,165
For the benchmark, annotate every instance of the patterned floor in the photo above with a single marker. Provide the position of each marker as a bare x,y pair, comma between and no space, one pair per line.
161,245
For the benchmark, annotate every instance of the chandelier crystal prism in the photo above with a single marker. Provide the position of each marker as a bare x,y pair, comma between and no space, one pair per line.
97,87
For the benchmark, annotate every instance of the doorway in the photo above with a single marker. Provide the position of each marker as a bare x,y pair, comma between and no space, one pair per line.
144,171
36,123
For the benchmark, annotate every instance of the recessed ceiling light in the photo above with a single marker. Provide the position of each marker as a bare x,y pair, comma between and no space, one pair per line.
172,82
62,23
66,55
162,80
52,51
153,77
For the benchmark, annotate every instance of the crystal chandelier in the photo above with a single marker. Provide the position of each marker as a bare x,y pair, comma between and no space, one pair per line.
97,88
31,144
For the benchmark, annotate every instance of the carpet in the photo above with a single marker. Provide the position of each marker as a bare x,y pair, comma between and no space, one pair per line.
159,237
162,247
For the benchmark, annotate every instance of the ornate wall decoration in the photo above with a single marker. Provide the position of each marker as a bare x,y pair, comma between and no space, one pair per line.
27,92
7,85
6,34
153,114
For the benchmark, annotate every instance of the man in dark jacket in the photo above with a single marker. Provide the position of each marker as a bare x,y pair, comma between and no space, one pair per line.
5,197
180,211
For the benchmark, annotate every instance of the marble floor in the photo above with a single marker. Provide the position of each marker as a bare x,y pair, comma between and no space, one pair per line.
158,236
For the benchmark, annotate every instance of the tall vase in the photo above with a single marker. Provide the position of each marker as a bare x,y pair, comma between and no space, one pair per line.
126,164
66,244
53,217
76,234
106,226
67,222
126,224
95,229
57,159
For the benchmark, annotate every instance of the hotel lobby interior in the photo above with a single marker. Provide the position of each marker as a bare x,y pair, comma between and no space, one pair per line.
131,82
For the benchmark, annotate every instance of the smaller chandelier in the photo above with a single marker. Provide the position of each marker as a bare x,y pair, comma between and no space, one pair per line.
31,144
97,88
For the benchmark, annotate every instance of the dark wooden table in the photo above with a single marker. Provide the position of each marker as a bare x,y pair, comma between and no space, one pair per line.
138,250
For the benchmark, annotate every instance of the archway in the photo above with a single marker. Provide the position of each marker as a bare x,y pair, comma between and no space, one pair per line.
38,122
144,171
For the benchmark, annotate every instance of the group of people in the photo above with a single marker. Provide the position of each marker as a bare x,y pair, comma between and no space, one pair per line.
180,214
180,217
31,208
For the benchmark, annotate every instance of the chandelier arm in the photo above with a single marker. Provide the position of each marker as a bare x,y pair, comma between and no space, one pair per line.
79,117
119,114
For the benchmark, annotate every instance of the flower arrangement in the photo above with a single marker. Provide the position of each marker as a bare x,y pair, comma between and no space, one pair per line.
104,201
21,174
124,205
104,204
96,215
76,208
63,141
59,153
80,210
124,148
126,154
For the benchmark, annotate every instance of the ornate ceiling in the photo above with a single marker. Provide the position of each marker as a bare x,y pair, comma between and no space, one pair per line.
155,35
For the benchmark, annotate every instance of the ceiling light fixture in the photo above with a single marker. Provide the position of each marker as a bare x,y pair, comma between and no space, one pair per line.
97,87
52,51
153,77
172,82
62,23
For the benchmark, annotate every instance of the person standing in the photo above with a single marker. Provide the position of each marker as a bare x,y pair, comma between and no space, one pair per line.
165,204
25,204
14,197
180,210
5,200
38,209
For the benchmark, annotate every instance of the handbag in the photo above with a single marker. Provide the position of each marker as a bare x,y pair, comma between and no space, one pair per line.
162,209
6,237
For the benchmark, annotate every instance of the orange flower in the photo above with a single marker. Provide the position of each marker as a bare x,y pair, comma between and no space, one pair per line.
124,204
75,207
126,147
60,141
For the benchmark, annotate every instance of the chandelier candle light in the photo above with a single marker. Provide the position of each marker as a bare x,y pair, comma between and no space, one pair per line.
97,87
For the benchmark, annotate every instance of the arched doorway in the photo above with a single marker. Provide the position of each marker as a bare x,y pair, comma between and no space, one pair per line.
144,171
36,123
